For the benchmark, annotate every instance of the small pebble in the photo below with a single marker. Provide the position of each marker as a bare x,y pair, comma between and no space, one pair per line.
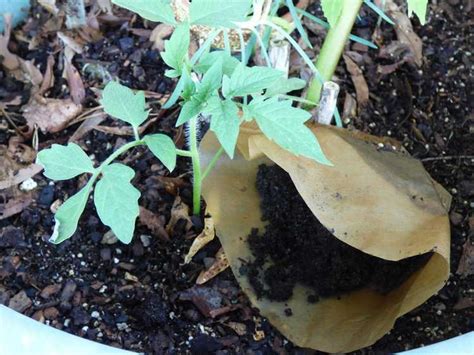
28,185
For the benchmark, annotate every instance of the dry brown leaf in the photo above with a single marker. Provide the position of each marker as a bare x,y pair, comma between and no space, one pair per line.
105,6
14,101
89,124
50,115
74,80
466,263
70,42
159,34
20,152
405,32
179,211
15,205
153,223
48,77
207,234
350,107
220,264
12,171
20,176
50,6
23,70
239,328
361,87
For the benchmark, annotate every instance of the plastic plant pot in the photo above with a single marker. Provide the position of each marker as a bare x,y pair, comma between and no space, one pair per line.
27,336
17,8
460,345
22,335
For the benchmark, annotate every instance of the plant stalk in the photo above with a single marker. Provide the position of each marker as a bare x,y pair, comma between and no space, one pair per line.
196,162
333,46
212,163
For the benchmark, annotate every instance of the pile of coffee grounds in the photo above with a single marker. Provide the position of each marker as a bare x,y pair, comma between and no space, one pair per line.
296,248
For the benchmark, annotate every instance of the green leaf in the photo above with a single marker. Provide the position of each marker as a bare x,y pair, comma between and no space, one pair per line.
153,10
284,86
189,110
68,214
297,21
176,48
284,124
182,83
419,7
224,122
208,59
379,11
120,102
218,13
163,148
63,162
211,81
247,81
116,200
324,24
332,10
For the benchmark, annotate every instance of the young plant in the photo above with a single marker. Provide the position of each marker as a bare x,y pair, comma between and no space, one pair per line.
218,86
211,84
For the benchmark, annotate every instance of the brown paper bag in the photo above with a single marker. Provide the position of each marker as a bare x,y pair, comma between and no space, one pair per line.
378,200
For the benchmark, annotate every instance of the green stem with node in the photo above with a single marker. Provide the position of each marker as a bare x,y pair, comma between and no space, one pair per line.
333,46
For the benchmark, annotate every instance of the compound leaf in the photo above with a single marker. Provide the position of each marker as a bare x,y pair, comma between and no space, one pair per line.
176,48
284,124
153,10
208,59
298,24
224,122
62,162
211,81
285,86
116,200
218,13
163,148
190,109
332,10
419,7
121,102
68,214
250,80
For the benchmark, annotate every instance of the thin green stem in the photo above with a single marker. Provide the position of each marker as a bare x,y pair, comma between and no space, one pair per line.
213,162
196,162
333,46
135,133
184,153
114,156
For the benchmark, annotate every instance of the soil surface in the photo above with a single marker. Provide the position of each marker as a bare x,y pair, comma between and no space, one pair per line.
142,296
302,250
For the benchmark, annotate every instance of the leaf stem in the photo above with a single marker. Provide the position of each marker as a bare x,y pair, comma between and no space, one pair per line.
115,155
196,162
135,133
184,153
333,46
212,163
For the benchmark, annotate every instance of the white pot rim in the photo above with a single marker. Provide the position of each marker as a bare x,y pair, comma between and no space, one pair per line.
27,336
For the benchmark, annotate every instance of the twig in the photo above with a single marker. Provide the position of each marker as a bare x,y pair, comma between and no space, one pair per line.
449,157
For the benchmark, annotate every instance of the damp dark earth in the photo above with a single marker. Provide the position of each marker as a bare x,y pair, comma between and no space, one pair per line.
301,250
142,296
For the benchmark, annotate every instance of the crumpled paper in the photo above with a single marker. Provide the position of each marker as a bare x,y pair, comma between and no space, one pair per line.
375,198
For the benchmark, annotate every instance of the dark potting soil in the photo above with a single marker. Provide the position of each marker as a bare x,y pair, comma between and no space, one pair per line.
79,287
302,250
